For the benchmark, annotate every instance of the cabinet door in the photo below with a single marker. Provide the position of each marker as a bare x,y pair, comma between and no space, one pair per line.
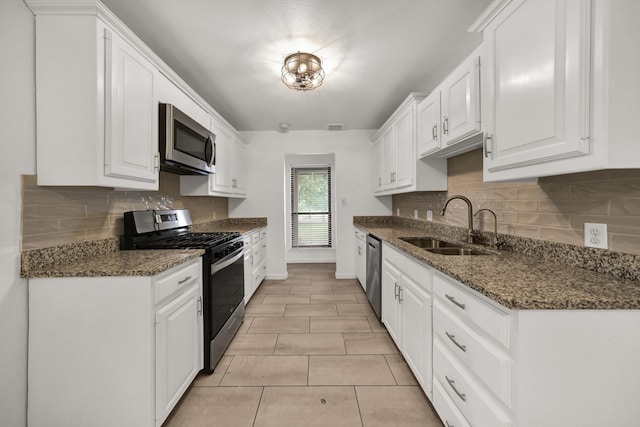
377,166
222,180
240,168
388,159
537,81
404,173
131,113
391,277
461,102
416,331
178,349
429,124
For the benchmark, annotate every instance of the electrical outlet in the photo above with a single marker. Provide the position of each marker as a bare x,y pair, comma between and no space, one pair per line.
429,215
595,235
415,213
398,212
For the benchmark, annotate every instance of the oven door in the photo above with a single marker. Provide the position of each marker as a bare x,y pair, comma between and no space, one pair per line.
227,289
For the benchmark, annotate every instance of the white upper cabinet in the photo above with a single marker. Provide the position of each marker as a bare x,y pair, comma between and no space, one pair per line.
429,131
558,93
131,128
396,166
98,87
97,115
231,167
377,166
461,102
450,120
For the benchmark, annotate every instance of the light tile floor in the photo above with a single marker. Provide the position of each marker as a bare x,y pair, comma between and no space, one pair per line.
310,353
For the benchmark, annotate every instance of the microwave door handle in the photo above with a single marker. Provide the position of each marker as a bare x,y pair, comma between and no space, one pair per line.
210,151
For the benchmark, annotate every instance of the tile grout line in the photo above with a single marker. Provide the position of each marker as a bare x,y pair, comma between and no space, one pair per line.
255,417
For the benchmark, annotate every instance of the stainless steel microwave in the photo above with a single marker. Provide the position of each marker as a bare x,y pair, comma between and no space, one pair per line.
186,147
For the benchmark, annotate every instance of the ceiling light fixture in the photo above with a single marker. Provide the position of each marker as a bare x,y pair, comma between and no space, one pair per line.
302,71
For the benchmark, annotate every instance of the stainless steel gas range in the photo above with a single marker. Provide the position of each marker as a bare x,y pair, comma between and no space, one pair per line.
223,270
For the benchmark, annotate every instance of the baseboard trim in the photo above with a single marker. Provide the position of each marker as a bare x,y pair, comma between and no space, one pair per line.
281,276
345,276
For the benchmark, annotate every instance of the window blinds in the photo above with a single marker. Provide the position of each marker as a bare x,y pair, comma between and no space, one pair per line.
311,207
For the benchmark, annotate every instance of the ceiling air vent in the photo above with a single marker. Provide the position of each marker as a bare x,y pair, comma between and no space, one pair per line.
335,126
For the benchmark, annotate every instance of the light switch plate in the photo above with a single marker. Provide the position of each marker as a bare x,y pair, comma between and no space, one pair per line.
415,213
595,235
429,215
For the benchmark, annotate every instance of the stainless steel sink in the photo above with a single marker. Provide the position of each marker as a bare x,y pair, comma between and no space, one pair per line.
455,251
440,247
428,243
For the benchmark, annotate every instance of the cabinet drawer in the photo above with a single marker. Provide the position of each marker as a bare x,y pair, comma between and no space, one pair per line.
258,253
473,310
263,234
179,279
446,409
485,360
259,274
470,398
255,237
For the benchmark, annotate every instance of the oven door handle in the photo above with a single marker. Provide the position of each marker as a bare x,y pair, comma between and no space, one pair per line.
227,262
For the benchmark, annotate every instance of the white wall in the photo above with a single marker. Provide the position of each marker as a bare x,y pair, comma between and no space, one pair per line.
17,138
266,188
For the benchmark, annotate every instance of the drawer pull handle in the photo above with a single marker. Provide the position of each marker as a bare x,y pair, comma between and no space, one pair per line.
186,279
400,295
446,422
461,395
453,300
453,340
396,292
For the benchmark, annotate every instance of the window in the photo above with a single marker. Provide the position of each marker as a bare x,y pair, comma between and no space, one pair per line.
311,207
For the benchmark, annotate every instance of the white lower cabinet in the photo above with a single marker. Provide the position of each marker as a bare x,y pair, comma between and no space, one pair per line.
113,351
531,368
406,311
255,262
361,257
178,349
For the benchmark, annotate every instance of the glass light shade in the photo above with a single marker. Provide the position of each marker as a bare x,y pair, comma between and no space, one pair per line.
302,71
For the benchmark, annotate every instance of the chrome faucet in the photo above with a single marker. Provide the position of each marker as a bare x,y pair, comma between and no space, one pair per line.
496,243
470,233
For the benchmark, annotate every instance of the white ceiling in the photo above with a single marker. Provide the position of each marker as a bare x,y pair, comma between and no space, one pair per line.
375,52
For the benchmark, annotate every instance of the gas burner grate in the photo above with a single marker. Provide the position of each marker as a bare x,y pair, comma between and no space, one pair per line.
192,240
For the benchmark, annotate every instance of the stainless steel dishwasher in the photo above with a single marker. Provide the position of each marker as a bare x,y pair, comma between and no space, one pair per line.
374,273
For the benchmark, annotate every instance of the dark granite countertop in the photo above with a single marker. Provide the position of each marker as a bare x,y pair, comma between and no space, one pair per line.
99,258
515,280
118,263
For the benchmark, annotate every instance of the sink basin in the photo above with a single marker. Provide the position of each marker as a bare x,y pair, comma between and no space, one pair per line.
440,247
428,243
454,251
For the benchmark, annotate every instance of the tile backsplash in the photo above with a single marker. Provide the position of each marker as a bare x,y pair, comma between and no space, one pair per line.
553,209
57,215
